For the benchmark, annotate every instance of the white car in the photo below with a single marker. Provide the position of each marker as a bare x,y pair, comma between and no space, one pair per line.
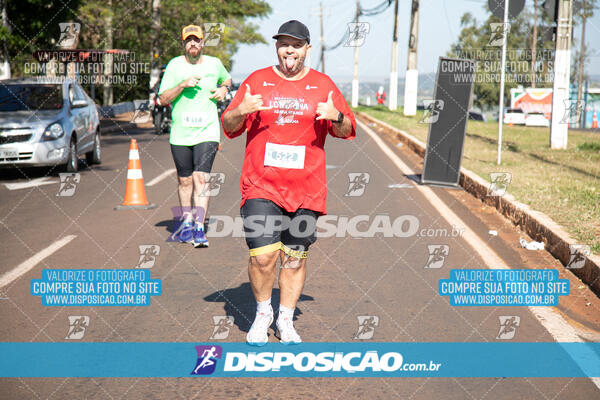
514,116
49,122
536,119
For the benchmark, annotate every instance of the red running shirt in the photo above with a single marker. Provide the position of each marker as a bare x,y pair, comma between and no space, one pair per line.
292,174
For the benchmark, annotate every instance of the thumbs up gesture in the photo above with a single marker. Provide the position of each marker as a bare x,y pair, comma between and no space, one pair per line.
251,103
327,110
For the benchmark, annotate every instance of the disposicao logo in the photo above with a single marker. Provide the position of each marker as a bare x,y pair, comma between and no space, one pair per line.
207,359
307,361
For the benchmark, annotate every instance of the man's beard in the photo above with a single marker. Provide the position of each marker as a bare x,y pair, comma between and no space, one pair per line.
190,56
296,68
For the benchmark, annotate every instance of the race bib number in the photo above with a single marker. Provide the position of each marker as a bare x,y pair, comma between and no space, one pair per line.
284,156
192,119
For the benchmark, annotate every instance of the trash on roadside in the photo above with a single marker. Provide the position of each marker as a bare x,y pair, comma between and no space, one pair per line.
533,245
372,124
400,144
493,233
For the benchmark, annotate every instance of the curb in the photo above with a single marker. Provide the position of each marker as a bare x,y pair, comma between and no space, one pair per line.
537,225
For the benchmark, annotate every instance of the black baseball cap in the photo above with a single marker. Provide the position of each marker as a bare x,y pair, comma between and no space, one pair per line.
295,29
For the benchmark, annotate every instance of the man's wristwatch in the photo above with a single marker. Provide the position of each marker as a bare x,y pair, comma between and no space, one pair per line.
339,119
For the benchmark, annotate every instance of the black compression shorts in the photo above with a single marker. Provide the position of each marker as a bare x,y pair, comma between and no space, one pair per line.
269,228
199,157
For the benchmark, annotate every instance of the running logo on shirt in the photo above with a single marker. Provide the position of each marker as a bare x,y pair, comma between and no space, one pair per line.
287,108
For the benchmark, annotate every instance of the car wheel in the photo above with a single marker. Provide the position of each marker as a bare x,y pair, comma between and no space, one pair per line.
94,156
72,162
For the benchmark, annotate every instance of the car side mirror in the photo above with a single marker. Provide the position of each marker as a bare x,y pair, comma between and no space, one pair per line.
78,103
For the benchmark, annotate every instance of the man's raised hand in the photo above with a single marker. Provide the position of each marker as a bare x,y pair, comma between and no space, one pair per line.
327,110
190,82
251,103
218,93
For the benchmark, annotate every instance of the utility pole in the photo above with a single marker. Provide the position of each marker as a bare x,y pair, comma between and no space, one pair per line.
562,62
412,74
155,50
393,102
355,76
584,16
322,38
534,42
502,73
107,98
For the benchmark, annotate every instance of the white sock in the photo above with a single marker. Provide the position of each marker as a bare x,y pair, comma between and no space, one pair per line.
285,312
264,306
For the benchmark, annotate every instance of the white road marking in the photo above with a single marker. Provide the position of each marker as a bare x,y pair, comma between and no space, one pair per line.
554,323
160,177
401,186
30,183
31,262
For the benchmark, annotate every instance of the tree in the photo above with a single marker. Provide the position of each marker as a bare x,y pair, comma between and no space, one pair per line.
131,21
28,31
476,41
132,31
582,10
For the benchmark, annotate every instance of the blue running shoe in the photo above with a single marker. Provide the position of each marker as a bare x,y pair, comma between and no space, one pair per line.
200,239
186,232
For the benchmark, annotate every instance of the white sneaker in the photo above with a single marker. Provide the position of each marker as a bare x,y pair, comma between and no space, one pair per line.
257,335
287,332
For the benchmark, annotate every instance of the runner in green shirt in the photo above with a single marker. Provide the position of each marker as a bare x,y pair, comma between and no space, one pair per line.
193,83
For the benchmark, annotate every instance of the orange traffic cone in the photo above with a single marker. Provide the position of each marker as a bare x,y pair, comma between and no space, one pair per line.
595,121
135,193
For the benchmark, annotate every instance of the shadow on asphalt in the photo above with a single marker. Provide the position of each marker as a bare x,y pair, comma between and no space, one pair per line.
128,130
173,225
415,178
27,173
239,303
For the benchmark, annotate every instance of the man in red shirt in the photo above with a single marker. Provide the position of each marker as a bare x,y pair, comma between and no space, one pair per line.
287,111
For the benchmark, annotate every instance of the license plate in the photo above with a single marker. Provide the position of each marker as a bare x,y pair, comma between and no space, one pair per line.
9,153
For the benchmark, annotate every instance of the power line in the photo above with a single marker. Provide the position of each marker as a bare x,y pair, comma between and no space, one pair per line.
378,9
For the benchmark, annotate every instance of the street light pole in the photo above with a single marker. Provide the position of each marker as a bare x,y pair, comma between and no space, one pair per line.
559,130
412,74
503,68
355,76
393,102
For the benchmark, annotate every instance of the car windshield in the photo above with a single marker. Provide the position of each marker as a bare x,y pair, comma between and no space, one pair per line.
23,97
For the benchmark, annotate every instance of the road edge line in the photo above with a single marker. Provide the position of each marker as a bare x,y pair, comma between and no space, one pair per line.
32,261
536,224
552,321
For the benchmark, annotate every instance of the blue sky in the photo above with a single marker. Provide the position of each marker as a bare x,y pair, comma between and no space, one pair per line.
439,27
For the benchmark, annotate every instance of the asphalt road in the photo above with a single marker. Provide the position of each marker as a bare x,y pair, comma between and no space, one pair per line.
347,277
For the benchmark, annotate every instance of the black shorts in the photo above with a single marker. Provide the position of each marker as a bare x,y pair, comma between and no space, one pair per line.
199,157
269,228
